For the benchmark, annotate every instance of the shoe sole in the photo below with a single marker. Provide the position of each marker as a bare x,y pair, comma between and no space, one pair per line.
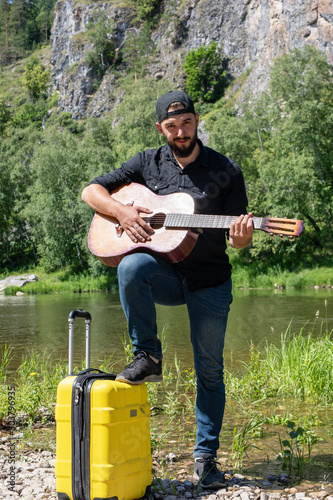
150,378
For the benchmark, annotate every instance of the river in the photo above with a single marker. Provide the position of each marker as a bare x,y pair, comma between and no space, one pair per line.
40,322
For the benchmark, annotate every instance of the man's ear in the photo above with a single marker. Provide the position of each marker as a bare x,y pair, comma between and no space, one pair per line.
159,128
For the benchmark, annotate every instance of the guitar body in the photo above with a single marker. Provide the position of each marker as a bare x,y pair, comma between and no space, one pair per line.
172,245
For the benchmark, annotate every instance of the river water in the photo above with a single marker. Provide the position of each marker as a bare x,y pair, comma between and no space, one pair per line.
40,322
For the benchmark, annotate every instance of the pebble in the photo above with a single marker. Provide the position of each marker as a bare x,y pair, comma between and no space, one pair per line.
35,480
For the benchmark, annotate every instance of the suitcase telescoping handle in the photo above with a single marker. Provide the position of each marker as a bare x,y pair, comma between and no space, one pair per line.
71,318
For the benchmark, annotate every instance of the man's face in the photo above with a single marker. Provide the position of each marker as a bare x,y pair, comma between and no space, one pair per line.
180,132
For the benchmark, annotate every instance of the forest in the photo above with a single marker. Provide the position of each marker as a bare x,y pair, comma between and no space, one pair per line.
282,139
24,26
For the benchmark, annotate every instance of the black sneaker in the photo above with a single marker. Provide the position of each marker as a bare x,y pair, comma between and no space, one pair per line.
142,369
207,473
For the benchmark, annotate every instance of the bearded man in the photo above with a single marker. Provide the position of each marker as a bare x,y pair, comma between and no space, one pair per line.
202,280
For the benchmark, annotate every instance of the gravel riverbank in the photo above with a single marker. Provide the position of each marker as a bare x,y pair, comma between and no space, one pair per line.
34,479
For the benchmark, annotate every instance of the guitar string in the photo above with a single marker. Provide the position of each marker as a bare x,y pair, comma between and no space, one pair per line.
182,221
194,219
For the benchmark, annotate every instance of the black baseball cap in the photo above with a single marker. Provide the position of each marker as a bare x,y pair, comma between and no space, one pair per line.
173,96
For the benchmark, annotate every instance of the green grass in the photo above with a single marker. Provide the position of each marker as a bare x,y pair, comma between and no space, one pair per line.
245,277
299,366
69,281
303,366
11,87
64,281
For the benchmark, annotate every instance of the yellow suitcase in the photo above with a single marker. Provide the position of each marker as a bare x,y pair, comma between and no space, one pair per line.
103,434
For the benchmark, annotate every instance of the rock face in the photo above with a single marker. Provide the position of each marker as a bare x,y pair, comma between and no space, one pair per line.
71,75
250,33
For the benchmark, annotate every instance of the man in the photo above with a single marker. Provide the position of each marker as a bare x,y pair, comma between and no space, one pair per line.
202,280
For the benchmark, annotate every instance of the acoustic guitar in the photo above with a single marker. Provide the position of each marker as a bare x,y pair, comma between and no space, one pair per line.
174,222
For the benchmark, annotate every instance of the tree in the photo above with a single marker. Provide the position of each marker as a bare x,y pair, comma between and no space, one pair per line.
5,115
44,18
5,53
35,79
147,9
55,210
136,129
62,165
16,152
297,162
18,28
205,73
138,47
282,140
103,53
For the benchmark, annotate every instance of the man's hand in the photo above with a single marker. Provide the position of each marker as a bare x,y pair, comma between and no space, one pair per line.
133,224
241,231
99,199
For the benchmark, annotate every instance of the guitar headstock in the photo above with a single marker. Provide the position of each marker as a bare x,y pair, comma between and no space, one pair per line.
291,228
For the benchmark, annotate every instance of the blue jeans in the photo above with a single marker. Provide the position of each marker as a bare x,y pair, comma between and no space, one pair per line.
145,280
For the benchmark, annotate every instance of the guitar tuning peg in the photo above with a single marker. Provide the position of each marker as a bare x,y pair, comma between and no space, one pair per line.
271,235
291,238
281,236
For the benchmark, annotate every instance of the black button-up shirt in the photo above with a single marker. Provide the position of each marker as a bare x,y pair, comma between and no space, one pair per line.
217,186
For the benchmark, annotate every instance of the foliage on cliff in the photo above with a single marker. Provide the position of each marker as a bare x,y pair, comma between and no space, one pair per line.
206,76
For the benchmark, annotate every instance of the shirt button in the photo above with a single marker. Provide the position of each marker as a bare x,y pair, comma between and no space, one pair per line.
156,186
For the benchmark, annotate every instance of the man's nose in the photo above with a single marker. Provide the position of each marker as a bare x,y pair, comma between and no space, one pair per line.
180,132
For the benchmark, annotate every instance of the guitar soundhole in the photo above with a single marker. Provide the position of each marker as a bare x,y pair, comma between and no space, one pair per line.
156,221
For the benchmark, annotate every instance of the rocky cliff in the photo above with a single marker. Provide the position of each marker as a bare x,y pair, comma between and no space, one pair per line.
249,33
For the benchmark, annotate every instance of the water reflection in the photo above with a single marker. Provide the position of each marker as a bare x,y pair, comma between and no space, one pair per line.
40,322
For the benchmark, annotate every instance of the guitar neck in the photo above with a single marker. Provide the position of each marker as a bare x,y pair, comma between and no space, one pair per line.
195,221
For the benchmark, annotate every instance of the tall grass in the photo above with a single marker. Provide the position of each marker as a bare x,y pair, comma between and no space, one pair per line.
5,359
300,365
303,366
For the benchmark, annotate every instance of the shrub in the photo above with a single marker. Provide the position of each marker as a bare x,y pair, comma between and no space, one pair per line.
205,75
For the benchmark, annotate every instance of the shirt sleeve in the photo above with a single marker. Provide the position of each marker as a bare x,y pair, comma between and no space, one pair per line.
130,171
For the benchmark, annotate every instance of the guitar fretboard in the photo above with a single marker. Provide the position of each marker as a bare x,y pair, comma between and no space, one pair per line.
183,221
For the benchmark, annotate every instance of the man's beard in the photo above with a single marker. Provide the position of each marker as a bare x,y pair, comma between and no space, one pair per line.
182,151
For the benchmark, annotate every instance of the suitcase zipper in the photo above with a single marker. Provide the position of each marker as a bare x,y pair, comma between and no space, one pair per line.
81,431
